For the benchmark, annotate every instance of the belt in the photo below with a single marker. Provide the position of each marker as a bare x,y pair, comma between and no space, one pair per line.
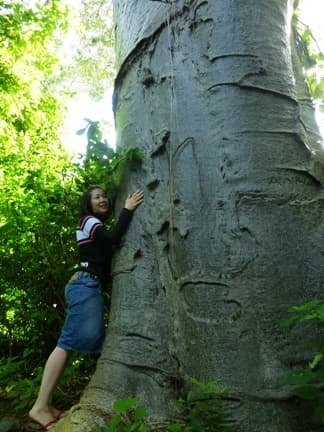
92,275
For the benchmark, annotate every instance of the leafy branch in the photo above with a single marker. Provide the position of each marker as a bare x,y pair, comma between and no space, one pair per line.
201,410
308,383
312,59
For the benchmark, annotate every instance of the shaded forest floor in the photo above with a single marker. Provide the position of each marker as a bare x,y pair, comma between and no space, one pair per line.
14,410
10,419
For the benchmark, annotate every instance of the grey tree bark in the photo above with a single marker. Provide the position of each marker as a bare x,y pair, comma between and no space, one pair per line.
230,234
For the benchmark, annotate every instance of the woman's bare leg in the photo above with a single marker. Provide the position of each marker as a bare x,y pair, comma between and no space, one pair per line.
42,410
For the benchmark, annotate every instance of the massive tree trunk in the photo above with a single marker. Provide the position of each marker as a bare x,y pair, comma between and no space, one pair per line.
231,231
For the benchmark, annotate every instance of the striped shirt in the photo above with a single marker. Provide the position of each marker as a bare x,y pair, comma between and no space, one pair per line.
96,244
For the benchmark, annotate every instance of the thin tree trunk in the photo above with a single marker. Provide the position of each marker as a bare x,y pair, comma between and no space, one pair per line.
230,234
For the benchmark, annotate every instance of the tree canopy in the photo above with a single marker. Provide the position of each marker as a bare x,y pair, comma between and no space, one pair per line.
36,173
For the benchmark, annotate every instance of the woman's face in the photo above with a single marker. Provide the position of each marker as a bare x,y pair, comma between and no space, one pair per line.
99,201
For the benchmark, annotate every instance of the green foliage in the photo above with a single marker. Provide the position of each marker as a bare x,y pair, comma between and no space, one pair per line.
311,57
308,383
102,165
93,60
312,310
20,379
128,418
37,189
201,410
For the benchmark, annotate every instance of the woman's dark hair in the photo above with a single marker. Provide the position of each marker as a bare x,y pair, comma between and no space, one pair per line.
85,208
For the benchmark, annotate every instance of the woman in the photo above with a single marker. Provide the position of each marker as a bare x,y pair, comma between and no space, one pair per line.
83,330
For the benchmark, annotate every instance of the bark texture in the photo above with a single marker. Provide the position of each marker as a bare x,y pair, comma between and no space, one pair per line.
231,231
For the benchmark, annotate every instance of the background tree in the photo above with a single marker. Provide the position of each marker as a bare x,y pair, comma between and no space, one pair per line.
231,231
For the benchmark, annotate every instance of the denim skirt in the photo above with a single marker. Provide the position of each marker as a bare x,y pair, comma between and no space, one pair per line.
84,327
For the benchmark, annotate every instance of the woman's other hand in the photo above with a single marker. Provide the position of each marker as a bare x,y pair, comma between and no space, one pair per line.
134,200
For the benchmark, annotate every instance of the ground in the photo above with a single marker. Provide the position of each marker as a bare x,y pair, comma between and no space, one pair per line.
11,420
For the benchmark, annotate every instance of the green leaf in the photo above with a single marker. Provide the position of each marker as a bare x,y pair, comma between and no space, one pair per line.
124,405
139,413
320,311
305,306
81,131
142,428
319,411
176,427
115,421
317,359
300,377
307,392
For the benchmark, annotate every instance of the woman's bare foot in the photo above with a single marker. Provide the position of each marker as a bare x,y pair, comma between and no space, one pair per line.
43,416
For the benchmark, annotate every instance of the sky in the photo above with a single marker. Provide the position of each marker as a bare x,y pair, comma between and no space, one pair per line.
82,107
312,13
